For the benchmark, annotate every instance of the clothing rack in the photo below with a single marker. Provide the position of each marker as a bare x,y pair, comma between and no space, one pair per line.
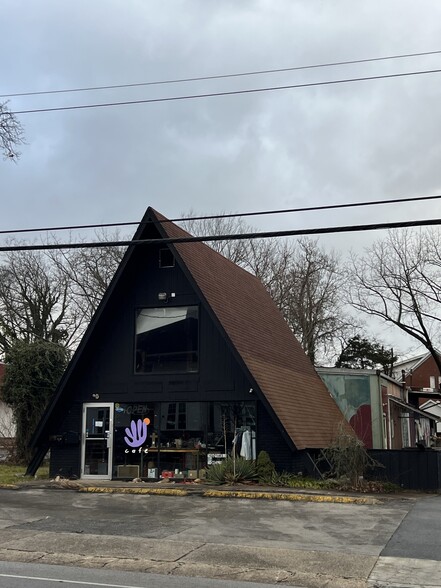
244,442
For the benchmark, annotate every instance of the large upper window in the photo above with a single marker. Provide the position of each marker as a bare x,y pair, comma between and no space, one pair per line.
167,339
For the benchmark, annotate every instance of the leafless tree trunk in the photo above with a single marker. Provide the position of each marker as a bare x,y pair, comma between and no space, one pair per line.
34,302
399,281
11,133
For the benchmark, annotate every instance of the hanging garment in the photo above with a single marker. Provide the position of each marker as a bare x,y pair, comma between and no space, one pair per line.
245,450
237,443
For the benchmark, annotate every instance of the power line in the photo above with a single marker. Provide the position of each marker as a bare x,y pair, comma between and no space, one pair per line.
227,93
222,76
235,237
226,215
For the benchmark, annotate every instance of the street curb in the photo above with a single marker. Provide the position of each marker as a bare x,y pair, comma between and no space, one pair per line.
291,497
234,494
268,494
155,491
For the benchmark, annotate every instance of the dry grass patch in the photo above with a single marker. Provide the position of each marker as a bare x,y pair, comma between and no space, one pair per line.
15,474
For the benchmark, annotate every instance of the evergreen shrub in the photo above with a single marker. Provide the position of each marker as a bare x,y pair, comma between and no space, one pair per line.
232,471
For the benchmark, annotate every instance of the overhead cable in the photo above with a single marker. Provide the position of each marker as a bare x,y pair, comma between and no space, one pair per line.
226,93
226,215
234,237
221,76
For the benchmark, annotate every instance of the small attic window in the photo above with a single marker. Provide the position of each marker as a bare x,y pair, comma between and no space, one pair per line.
166,258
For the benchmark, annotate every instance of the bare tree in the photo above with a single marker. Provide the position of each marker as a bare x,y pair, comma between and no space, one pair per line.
52,295
88,272
239,251
11,133
399,281
34,302
304,280
307,285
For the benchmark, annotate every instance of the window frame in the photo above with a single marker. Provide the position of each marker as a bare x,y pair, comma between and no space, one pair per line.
136,372
169,252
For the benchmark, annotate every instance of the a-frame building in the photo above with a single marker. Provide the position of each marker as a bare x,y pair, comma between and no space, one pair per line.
186,359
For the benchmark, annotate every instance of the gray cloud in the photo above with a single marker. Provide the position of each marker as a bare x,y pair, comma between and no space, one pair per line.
351,142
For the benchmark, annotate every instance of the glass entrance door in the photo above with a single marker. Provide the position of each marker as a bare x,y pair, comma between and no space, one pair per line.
97,441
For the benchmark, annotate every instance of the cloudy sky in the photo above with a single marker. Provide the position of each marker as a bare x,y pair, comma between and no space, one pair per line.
309,146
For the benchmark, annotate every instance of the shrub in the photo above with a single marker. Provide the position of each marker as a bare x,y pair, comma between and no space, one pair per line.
265,468
216,472
230,471
348,458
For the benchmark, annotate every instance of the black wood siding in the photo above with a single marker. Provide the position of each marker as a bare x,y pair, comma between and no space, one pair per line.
107,368
65,445
106,364
270,439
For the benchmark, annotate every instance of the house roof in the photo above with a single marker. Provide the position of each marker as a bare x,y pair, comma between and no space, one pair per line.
432,406
256,332
265,345
411,408
357,372
412,363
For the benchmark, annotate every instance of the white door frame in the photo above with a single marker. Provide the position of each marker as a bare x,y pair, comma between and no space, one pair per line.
110,406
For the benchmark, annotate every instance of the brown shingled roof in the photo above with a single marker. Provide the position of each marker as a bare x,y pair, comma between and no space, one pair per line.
256,329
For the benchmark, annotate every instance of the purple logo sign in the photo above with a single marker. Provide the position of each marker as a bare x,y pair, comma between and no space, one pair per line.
137,434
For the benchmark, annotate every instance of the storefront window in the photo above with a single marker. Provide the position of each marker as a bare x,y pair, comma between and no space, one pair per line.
167,339
135,438
226,420
178,439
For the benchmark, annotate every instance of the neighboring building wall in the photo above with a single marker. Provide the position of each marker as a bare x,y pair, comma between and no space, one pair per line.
434,407
405,366
352,392
7,425
424,375
396,422
395,437
362,396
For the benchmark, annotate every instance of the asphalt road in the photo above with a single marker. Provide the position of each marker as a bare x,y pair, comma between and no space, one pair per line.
412,556
14,575
190,538
419,535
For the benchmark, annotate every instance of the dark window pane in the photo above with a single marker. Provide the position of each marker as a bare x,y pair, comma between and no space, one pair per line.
166,258
167,339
